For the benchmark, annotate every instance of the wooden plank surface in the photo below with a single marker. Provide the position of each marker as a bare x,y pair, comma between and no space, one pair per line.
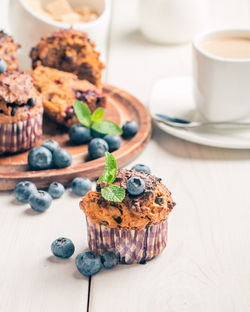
31,278
205,266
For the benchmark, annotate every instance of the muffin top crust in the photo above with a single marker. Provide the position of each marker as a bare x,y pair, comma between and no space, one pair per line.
134,212
18,97
70,51
8,50
6,38
59,90
15,87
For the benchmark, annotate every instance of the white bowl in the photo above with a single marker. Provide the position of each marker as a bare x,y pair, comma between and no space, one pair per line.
28,25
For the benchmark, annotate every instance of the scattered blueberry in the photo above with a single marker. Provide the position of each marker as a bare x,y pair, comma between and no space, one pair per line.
79,134
109,260
3,66
114,142
141,167
62,158
135,185
40,201
88,263
51,145
81,186
23,190
40,158
129,129
56,190
62,247
97,148
96,134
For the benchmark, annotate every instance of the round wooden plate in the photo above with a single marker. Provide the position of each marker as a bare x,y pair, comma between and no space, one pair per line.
121,107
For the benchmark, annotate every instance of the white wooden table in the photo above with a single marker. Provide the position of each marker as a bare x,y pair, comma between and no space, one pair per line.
206,266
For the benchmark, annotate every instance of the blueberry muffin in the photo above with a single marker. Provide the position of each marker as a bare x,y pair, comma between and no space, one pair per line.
20,112
59,90
8,51
69,51
136,228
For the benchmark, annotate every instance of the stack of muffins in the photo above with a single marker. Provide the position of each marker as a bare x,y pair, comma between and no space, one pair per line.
8,51
20,112
20,104
66,68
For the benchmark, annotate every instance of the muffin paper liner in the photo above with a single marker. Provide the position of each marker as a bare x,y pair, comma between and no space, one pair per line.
21,135
130,246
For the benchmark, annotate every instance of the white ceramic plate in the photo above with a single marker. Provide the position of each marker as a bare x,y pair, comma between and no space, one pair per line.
173,97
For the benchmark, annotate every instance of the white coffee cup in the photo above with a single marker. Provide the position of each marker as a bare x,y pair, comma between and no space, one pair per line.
221,85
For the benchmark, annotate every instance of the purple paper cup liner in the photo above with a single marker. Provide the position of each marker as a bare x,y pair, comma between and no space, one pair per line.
130,246
21,135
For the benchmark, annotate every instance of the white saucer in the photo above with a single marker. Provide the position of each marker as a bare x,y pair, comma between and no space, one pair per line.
173,97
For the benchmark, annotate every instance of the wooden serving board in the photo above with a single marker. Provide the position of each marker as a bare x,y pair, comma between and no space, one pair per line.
121,107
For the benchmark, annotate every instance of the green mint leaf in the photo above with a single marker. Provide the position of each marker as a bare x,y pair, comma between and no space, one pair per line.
97,115
110,169
113,193
107,127
107,177
83,113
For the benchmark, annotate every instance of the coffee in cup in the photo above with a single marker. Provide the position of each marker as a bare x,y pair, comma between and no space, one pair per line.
235,47
221,74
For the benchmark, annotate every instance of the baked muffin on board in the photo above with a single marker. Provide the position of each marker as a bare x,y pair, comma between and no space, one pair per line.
70,51
8,51
59,90
20,112
135,229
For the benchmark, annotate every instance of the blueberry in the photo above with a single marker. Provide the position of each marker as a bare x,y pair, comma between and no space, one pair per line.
109,260
40,158
3,66
81,186
88,263
51,145
97,148
79,134
40,201
98,188
129,129
97,135
56,190
62,158
62,247
135,185
141,167
114,142
23,190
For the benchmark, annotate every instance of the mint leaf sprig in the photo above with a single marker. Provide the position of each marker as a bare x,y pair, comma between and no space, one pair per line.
95,121
112,192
